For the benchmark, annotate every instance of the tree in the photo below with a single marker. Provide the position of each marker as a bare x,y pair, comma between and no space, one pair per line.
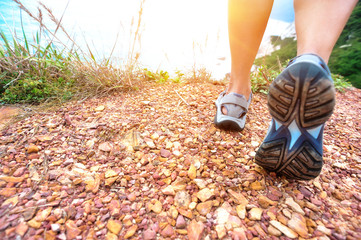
345,58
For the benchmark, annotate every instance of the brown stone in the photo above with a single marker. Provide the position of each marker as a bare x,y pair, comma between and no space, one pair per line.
110,173
21,229
34,224
7,192
32,149
186,213
205,194
180,223
12,179
157,207
233,221
238,197
273,231
295,206
91,234
99,108
111,236
50,235
92,184
179,184
131,197
239,233
110,181
12,201
114,226
222,215
205,207
195,230
282,228
149,234
221,231
42,215
265,202
257,185
72,231
298,224
114,207
182,199
167,231
192,172
255,214
168,190
29,214
106,147
131,231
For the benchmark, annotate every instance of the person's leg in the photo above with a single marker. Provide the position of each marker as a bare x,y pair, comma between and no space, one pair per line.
302,97
247,21
319,23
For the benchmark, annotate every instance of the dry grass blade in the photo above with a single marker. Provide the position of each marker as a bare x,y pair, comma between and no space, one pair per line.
21,6
55,20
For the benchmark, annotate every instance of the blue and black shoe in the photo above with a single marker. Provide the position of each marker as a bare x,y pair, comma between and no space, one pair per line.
300,100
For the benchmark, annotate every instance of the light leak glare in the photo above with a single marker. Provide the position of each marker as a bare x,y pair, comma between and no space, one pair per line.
175,35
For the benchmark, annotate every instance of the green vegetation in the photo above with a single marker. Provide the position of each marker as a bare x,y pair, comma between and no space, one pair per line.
340,82
345,58
262,78
34,77
31,73
159,76
38,71
279,58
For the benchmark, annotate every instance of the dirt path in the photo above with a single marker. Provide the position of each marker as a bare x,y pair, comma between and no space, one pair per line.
7,114
150,165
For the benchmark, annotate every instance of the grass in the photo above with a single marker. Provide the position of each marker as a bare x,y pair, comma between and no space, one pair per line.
42,71
39,70
340,82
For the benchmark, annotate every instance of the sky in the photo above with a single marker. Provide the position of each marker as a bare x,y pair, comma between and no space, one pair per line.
175,34
283,10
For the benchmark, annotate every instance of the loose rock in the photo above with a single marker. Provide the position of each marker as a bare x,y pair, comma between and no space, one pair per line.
131,231
205,194
290,202
114,226
255,214
195,230
282,228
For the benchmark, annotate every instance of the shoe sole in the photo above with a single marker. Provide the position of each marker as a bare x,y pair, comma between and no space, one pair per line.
303,95
227,125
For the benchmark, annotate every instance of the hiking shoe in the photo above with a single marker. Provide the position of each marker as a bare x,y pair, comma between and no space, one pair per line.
236,106
300,100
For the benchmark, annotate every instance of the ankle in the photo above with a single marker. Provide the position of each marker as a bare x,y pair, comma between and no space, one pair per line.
243,90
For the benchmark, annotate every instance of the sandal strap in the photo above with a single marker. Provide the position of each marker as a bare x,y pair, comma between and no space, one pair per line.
236,104
236,99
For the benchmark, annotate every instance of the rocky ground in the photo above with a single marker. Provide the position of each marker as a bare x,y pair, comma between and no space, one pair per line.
150,165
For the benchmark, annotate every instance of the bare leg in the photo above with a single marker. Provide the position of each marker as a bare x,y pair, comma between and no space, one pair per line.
319,23
247,21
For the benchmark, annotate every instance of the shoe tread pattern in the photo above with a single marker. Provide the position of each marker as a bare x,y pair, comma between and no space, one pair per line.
269,154
305,165
309,91
317,99
282,96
